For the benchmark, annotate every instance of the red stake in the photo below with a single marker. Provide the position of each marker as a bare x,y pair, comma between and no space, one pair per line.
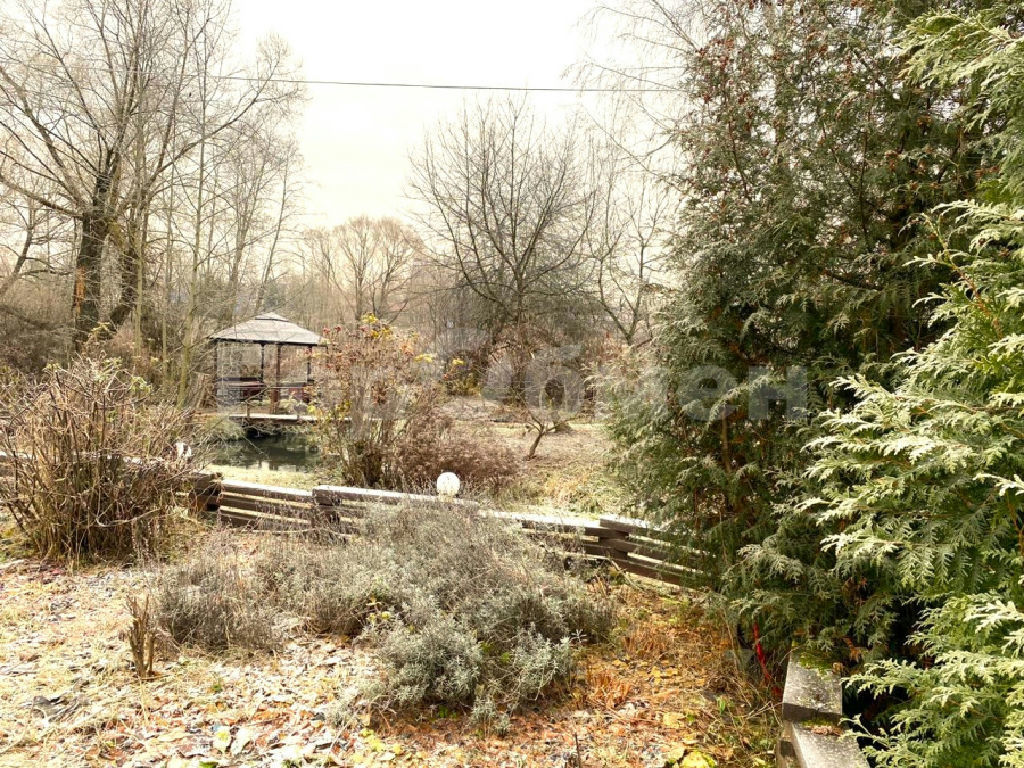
763,661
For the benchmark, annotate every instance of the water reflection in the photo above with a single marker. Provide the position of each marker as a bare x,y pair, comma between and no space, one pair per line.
289,452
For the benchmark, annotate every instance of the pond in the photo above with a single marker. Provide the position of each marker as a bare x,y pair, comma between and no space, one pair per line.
287,451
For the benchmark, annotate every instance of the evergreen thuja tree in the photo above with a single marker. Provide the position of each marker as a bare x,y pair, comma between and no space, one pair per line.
916,500
808,158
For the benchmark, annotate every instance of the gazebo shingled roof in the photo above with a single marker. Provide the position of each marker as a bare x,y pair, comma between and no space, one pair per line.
268,328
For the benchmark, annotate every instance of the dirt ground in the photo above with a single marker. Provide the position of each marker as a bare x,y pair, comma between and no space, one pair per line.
666,692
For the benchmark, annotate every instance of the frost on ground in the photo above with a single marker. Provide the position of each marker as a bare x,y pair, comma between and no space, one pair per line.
665,693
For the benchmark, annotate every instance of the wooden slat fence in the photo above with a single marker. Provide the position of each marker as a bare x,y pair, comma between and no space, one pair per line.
632,545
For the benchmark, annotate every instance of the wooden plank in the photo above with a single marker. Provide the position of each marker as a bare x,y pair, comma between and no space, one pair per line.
650,572
329,495
340,510
239,518
653,549
252,519
673,568
639,563
639,528
630,545
279,418
568,542
265,505
625,524
598,549
242,488
333,516
566,523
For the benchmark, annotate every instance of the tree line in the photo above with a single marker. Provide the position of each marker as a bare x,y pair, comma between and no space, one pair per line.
154,192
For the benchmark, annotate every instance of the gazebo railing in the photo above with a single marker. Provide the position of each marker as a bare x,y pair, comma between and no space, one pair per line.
256,396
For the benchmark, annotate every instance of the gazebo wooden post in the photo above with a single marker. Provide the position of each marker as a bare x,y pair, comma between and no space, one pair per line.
309,375
275,393
263,372
216,377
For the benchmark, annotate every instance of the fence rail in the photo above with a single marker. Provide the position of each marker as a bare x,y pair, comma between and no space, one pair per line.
632,545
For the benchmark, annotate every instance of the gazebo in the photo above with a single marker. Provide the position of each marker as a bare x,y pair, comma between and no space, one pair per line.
241,372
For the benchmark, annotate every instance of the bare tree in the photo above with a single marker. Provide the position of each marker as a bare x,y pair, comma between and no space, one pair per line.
507,208
259,192
626,242
368,262
101,98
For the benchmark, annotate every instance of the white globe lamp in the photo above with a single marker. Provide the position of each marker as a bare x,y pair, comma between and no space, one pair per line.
448,485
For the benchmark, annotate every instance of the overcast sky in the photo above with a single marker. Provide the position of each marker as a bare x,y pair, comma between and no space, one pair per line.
356,141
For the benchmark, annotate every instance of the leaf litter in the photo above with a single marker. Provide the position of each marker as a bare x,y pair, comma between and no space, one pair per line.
666,693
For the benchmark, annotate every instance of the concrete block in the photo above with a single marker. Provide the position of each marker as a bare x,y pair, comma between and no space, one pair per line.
826,747
785,744
782,760
811,694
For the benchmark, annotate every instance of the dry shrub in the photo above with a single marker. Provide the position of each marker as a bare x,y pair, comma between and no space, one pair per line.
92,461
462,610
142,636
431,443
607,687
369,378
321,585
646,641
381,421
211,601
466,611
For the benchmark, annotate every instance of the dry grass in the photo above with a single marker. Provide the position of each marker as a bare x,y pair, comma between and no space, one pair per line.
568,472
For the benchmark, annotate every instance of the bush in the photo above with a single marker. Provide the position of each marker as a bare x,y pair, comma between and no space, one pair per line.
431,443
381,422
462,610
466,611
369,379
208,601
93,461
321,586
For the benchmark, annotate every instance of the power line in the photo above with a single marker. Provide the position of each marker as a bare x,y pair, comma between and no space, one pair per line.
443,86
649,87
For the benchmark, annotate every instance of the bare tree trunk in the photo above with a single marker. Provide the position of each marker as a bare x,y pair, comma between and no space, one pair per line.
85,305
187,332
168,258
